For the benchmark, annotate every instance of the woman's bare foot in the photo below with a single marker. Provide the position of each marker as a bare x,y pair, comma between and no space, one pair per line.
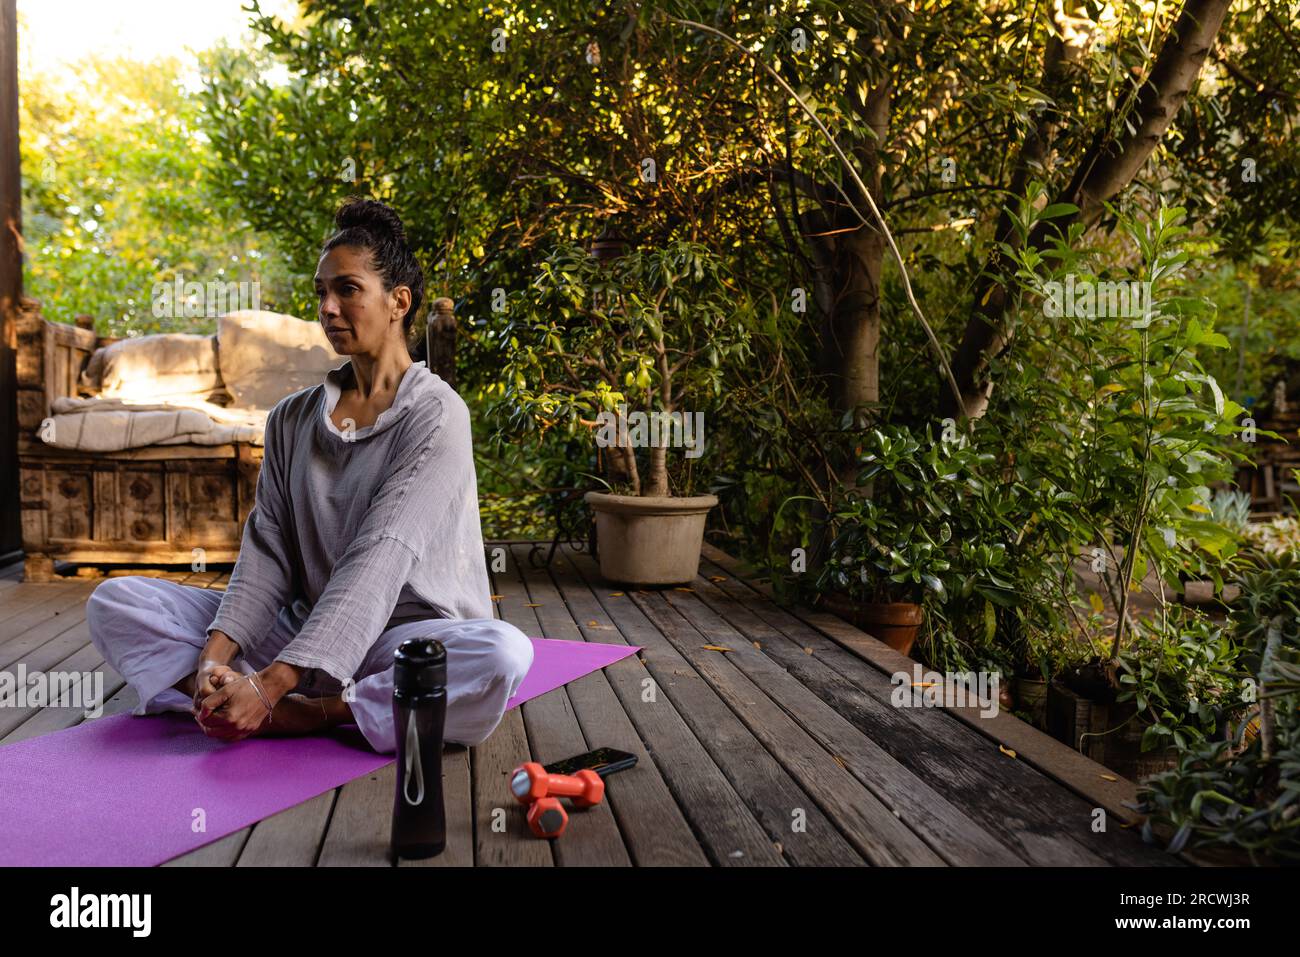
297,714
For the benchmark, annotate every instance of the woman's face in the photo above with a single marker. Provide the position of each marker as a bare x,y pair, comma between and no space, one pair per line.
356,312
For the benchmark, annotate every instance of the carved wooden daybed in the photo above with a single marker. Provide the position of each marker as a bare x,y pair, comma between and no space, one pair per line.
153,505
157,505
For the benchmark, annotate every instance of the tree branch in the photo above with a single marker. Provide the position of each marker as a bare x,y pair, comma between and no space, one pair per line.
1104,171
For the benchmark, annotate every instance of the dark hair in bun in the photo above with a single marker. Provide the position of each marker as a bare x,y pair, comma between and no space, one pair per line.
374,226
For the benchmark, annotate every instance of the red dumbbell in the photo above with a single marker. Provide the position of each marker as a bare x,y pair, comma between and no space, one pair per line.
534,786
531,783
546,817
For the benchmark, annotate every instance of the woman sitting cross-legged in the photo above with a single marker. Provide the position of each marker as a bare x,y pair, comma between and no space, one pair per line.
365,532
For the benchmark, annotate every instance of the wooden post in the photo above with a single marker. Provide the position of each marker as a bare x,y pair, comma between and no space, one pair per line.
11,275
440,338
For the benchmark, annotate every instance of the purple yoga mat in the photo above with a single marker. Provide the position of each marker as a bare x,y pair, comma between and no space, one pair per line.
124,791
557,662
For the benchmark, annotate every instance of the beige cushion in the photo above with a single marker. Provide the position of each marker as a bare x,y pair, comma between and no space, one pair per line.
152,367
266,356
111,425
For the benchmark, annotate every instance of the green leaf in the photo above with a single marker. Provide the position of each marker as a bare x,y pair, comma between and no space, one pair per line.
1054,210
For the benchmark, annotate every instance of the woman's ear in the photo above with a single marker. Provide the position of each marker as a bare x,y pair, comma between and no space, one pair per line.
401,299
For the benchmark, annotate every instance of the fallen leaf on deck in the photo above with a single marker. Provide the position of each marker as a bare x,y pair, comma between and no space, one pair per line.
495,597
533,605
757,645
616,594
681,588
1007,751
714,648
840,761
1108,777
807,651
718,578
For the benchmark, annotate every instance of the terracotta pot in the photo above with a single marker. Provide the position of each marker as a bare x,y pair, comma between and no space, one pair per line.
649,540
895,623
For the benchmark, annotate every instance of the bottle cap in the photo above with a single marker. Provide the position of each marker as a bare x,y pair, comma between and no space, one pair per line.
420,666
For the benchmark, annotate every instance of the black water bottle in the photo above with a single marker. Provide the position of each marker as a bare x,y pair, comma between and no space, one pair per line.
419,715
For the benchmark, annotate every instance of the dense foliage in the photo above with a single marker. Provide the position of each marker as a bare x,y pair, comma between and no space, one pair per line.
118,195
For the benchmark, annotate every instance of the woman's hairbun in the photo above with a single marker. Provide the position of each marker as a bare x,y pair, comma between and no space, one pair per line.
375,226
369,214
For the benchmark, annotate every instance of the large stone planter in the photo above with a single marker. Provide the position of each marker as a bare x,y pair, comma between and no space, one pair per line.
649,540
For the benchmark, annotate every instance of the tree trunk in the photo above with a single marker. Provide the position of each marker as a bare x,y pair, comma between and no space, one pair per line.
848,294
851,332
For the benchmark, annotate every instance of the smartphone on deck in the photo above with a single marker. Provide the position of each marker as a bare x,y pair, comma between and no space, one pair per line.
604,761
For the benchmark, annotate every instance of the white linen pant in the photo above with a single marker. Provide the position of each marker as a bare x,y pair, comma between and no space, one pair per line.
152,631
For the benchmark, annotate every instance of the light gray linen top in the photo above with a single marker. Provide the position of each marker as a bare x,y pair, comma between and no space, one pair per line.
355,531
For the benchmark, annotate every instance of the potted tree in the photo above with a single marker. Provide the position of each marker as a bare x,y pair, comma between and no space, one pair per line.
631,350
894,544
1150,436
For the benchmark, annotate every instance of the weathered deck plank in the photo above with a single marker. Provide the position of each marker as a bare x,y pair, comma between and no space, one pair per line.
651,823
33,604
945,827
223,852
70,651
11,572
48,720
67,630
872,827
591,838
1030,812
737,797
501,835
290,838
1042,767
358,833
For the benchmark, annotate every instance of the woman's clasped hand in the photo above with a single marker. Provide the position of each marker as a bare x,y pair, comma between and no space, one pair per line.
229,705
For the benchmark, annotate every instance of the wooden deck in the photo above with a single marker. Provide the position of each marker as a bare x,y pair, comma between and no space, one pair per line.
782,750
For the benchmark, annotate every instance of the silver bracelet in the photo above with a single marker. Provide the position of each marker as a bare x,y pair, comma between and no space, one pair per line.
262,695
